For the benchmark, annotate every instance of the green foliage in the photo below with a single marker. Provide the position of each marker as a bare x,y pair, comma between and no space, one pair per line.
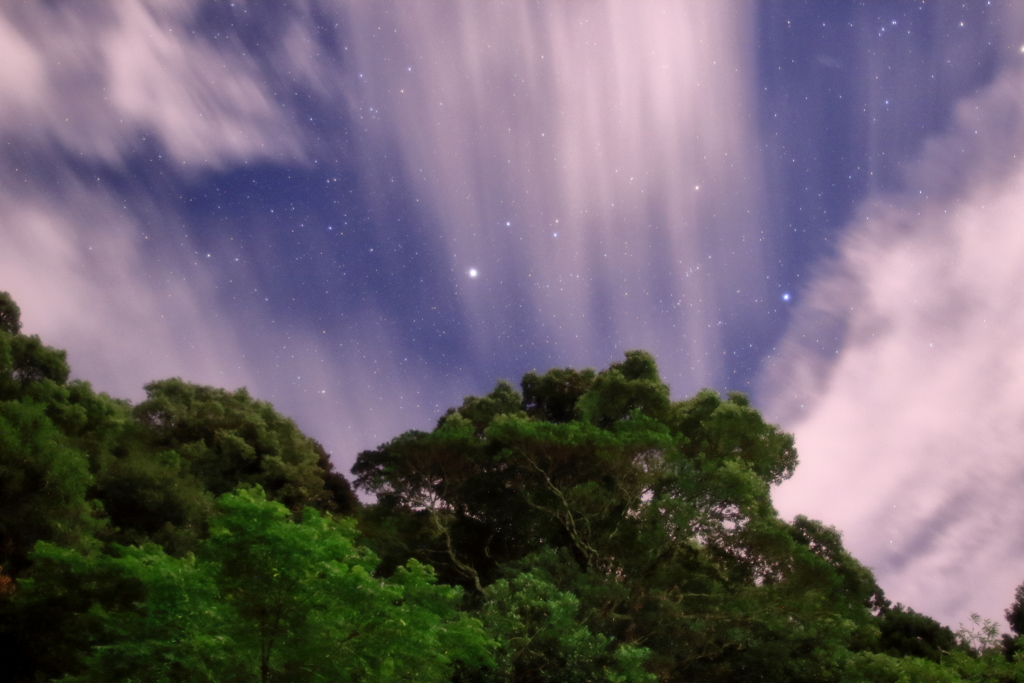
62,609
35,362
870,667
605,533
28,369
719,431
980,637
904,632
553,396
79,471
265,599
43,485
340,498
542,639
10,315
480,412
1012,644
1015,612
658,516
151,499
624,388
228,439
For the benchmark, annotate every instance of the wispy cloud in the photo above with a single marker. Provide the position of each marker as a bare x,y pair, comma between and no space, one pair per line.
97,78
88,87
593,161
75,265
92,83
912,434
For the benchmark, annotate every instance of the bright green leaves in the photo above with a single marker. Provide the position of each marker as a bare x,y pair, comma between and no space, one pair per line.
660,516
308,605
178,631
870,667
541,638
269,599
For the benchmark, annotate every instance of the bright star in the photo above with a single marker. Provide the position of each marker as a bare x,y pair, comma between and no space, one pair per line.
785,297
472,272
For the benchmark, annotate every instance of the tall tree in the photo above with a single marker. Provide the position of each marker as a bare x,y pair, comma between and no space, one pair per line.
657,515
227,439
266,599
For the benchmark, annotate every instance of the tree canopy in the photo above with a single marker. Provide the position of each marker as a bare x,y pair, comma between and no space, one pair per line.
584,527
266,599
655,514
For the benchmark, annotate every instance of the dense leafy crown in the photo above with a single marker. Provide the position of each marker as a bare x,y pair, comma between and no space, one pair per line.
584,529
656,514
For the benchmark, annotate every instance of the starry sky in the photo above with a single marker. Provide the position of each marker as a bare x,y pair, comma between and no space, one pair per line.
364,211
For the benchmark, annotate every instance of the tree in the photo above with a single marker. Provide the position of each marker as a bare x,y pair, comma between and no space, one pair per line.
904,632
553,396
227,439
541,638
27,367
43,485
10,315
1015,612
153,498
81,470
656,515
342,499
1015,617
267,599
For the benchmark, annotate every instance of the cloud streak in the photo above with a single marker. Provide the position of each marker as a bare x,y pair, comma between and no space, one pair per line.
95,81
77,267
912,434
594,161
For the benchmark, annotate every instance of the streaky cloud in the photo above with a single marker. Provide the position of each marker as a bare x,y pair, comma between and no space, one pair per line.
94,79
112,273
909,422
595,158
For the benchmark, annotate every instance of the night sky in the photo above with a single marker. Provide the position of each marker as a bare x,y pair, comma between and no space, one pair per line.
365,211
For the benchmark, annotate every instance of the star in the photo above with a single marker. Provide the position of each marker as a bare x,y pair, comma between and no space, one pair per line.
472,272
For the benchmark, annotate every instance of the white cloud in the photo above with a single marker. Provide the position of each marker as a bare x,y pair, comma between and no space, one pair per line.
912,437
99,82
75,266
597,121
97,77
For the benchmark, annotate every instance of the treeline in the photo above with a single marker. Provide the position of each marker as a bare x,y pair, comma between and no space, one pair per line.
584,528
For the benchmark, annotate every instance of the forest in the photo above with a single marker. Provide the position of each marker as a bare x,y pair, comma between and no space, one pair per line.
582,527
